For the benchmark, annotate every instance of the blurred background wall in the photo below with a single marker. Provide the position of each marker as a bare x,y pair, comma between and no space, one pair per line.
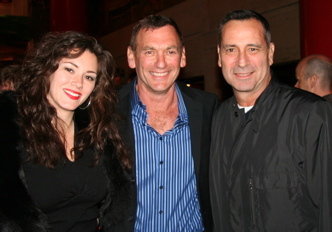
299,28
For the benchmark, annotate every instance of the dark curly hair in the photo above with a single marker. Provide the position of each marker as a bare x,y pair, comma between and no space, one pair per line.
41,139
9,77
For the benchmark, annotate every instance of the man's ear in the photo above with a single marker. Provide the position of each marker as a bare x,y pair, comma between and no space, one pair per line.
313,81
131,57
219,59
271,53
183,60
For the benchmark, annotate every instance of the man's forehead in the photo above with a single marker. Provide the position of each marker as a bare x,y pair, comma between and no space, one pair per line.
242,25
248,31
300,68
158,42
148,30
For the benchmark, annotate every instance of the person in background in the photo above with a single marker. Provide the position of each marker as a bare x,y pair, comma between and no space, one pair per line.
314,74
271,144
9,77
55,170
167,126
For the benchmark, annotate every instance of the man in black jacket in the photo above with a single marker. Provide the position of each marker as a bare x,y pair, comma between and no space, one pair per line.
168,127
271,145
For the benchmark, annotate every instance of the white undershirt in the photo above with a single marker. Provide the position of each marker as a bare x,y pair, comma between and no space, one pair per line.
246,108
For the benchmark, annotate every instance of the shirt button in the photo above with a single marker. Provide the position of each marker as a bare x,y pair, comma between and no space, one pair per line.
161,162
161,187
160,138
161,212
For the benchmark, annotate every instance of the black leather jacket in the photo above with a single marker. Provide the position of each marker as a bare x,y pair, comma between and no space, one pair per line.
271,168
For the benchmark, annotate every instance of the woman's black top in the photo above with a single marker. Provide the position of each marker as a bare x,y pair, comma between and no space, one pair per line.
69,194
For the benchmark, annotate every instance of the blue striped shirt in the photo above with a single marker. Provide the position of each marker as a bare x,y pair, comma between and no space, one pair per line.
166,183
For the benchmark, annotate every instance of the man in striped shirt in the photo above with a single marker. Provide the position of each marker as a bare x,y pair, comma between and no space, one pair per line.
168,129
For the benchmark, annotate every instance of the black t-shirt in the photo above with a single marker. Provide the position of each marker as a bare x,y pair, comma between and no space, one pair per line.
69,194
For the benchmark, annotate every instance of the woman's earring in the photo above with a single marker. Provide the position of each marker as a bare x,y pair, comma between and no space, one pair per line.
87,105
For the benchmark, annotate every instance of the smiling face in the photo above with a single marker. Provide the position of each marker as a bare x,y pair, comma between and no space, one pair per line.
245,57
73,82
158,57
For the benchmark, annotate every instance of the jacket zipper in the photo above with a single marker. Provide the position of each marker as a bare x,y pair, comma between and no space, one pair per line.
252,200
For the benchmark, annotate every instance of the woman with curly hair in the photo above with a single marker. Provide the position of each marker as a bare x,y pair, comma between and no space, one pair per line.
59,140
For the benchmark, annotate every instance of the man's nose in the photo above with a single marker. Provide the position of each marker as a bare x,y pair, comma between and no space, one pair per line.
296,84
161,60
242,59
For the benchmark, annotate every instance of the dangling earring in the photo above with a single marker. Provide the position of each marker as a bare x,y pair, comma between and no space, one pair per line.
87,105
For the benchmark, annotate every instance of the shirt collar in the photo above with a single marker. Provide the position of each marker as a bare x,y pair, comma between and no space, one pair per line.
135,98
136,103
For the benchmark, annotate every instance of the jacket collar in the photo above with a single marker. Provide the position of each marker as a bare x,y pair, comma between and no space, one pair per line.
195,115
